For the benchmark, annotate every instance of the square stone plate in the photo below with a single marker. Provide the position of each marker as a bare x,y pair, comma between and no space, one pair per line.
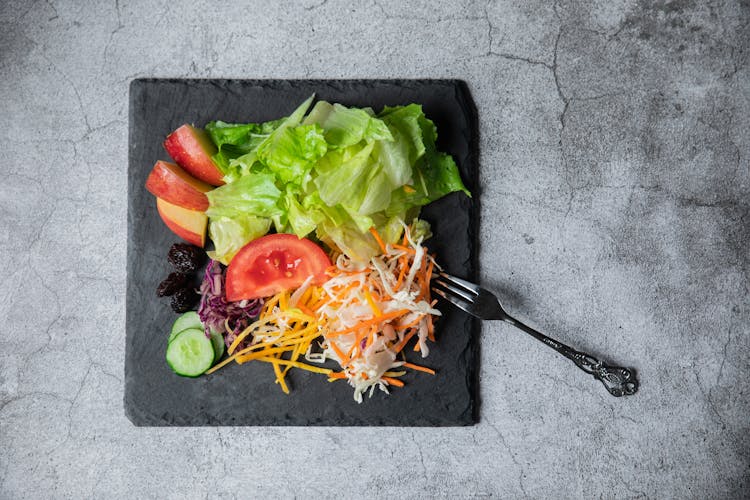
247,394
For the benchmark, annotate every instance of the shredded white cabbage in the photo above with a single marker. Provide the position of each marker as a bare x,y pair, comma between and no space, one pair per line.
359,295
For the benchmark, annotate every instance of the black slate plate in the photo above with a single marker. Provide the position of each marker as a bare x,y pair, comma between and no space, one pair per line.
247,395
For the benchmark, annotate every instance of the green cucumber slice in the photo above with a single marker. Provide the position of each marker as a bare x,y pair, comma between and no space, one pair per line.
188,320
190,353
217,340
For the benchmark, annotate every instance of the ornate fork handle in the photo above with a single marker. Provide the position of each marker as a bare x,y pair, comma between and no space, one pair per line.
619,381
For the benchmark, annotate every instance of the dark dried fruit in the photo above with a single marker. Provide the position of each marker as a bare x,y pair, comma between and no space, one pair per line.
171,284
184,300
186,258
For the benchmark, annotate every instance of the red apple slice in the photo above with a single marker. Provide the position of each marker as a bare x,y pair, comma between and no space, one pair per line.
190,225
171,183
191,148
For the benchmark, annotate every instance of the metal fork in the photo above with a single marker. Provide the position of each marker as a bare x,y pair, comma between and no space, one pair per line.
481,303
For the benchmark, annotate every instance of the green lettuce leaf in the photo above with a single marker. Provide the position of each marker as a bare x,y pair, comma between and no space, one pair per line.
333,174
290,152
346,127
342,176
238,144
231,234
303,218
251,195
233,140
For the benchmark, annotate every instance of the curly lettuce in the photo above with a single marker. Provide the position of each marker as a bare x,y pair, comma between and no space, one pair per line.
334,173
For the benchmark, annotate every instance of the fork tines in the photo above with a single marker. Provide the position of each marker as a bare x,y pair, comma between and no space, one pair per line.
459,292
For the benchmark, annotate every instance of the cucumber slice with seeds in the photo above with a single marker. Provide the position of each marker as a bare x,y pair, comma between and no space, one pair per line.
190,353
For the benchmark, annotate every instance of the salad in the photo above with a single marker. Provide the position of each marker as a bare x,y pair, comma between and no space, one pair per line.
311,224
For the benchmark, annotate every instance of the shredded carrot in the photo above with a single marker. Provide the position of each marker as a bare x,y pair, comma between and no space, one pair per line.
393,381
419,368
411,323
430,328
407,338
305,310
403,261
409,189
375,320
339,352
405,249
306,295
377,237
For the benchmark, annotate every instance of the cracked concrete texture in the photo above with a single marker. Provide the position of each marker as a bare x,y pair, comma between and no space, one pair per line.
614,193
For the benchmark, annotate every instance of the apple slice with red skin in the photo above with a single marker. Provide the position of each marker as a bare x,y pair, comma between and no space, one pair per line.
190,225
171,183
191,148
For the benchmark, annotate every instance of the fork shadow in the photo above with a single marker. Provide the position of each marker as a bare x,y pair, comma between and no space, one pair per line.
509,297
560,328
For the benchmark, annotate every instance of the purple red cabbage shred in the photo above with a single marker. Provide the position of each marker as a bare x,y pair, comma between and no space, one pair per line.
215,311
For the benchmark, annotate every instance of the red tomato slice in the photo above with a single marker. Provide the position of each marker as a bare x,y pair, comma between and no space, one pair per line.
272,264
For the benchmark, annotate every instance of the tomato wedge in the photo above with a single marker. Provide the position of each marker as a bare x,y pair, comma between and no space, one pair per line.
272,264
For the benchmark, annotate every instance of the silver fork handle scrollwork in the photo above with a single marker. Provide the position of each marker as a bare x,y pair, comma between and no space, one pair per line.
617,380
483,304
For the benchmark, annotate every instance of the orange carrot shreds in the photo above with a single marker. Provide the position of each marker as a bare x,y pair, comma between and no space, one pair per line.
419,368
354,349
403,264
430,268
337,375
306,296
404,249
393,381
343,357
430,328
416,347
377,237
372,321
414,322
369,313
305,310
407,338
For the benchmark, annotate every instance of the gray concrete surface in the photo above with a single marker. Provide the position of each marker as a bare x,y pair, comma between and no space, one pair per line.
614,190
